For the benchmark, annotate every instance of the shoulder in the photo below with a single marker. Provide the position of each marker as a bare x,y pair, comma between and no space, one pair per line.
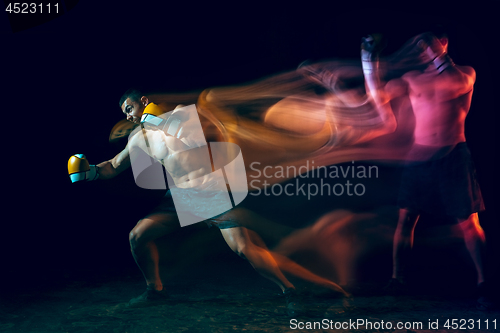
411,75
136,139
396,87
467,70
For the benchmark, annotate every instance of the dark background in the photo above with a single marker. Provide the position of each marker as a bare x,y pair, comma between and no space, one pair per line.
62,81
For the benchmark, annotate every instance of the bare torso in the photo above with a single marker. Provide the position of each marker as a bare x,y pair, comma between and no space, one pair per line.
440,104
185,156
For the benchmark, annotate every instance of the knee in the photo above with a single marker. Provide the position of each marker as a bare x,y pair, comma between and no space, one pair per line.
135,239
471,226
407,221
241,250
405,228
132,239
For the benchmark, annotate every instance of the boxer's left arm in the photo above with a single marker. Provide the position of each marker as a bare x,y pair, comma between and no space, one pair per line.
455,80
459,81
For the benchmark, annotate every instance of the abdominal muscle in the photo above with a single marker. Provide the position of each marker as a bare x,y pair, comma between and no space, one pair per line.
438,123
439,118
200,179
188,167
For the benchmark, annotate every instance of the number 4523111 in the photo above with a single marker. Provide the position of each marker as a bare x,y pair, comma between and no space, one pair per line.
32,8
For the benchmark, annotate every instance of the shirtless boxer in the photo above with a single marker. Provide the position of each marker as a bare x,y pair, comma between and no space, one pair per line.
439,177
180,155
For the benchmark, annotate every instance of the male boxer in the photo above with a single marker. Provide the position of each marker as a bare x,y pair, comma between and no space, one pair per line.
180,155
439,177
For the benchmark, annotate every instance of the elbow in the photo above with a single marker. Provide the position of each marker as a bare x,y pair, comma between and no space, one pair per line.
391,125
387,118
392,128
106,170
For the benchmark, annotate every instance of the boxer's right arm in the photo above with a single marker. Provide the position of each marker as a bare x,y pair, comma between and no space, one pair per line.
121,161
374,87
114,166
80,170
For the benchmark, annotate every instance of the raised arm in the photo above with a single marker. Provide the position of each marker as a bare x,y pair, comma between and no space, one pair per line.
374,87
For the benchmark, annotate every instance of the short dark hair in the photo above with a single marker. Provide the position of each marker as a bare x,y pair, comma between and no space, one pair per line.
133,93
440,30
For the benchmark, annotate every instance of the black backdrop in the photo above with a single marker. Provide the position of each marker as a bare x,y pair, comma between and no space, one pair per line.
62,81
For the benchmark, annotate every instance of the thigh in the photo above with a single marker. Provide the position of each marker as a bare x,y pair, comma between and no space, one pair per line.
236,238
155,225
239,237
256,225
459,187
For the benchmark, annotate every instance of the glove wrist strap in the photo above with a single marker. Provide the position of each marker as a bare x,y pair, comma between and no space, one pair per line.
369,66
93,173
442,62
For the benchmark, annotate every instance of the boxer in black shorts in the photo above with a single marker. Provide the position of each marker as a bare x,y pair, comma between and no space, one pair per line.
439,177
167,206
444,185
183,162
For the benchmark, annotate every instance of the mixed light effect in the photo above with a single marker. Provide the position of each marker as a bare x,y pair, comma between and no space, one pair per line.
299,123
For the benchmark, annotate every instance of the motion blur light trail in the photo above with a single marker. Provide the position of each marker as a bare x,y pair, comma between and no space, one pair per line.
317,115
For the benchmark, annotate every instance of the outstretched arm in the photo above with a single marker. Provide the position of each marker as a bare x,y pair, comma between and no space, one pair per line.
114,166
121,161
79,168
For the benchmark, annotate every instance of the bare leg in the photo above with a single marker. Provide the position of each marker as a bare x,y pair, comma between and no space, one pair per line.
474,241
292,267
261,259
310,237
143,246
249,245
240,241
403,242
289,266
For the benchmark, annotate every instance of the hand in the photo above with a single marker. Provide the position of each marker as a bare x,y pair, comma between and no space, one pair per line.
80,170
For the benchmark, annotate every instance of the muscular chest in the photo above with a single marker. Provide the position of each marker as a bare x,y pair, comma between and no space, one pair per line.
432,88
155,144
182,162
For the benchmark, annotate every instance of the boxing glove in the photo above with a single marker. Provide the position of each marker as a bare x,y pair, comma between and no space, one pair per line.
368,58
79,169
372,45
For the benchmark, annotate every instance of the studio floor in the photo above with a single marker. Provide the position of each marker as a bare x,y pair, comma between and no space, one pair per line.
229,296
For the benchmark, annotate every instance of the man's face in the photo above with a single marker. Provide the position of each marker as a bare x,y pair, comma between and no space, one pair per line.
133,110
436,48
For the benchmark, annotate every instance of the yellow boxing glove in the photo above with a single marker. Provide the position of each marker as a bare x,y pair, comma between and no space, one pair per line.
79,169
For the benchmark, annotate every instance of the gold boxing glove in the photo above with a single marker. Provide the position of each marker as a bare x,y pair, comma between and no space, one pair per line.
80,170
